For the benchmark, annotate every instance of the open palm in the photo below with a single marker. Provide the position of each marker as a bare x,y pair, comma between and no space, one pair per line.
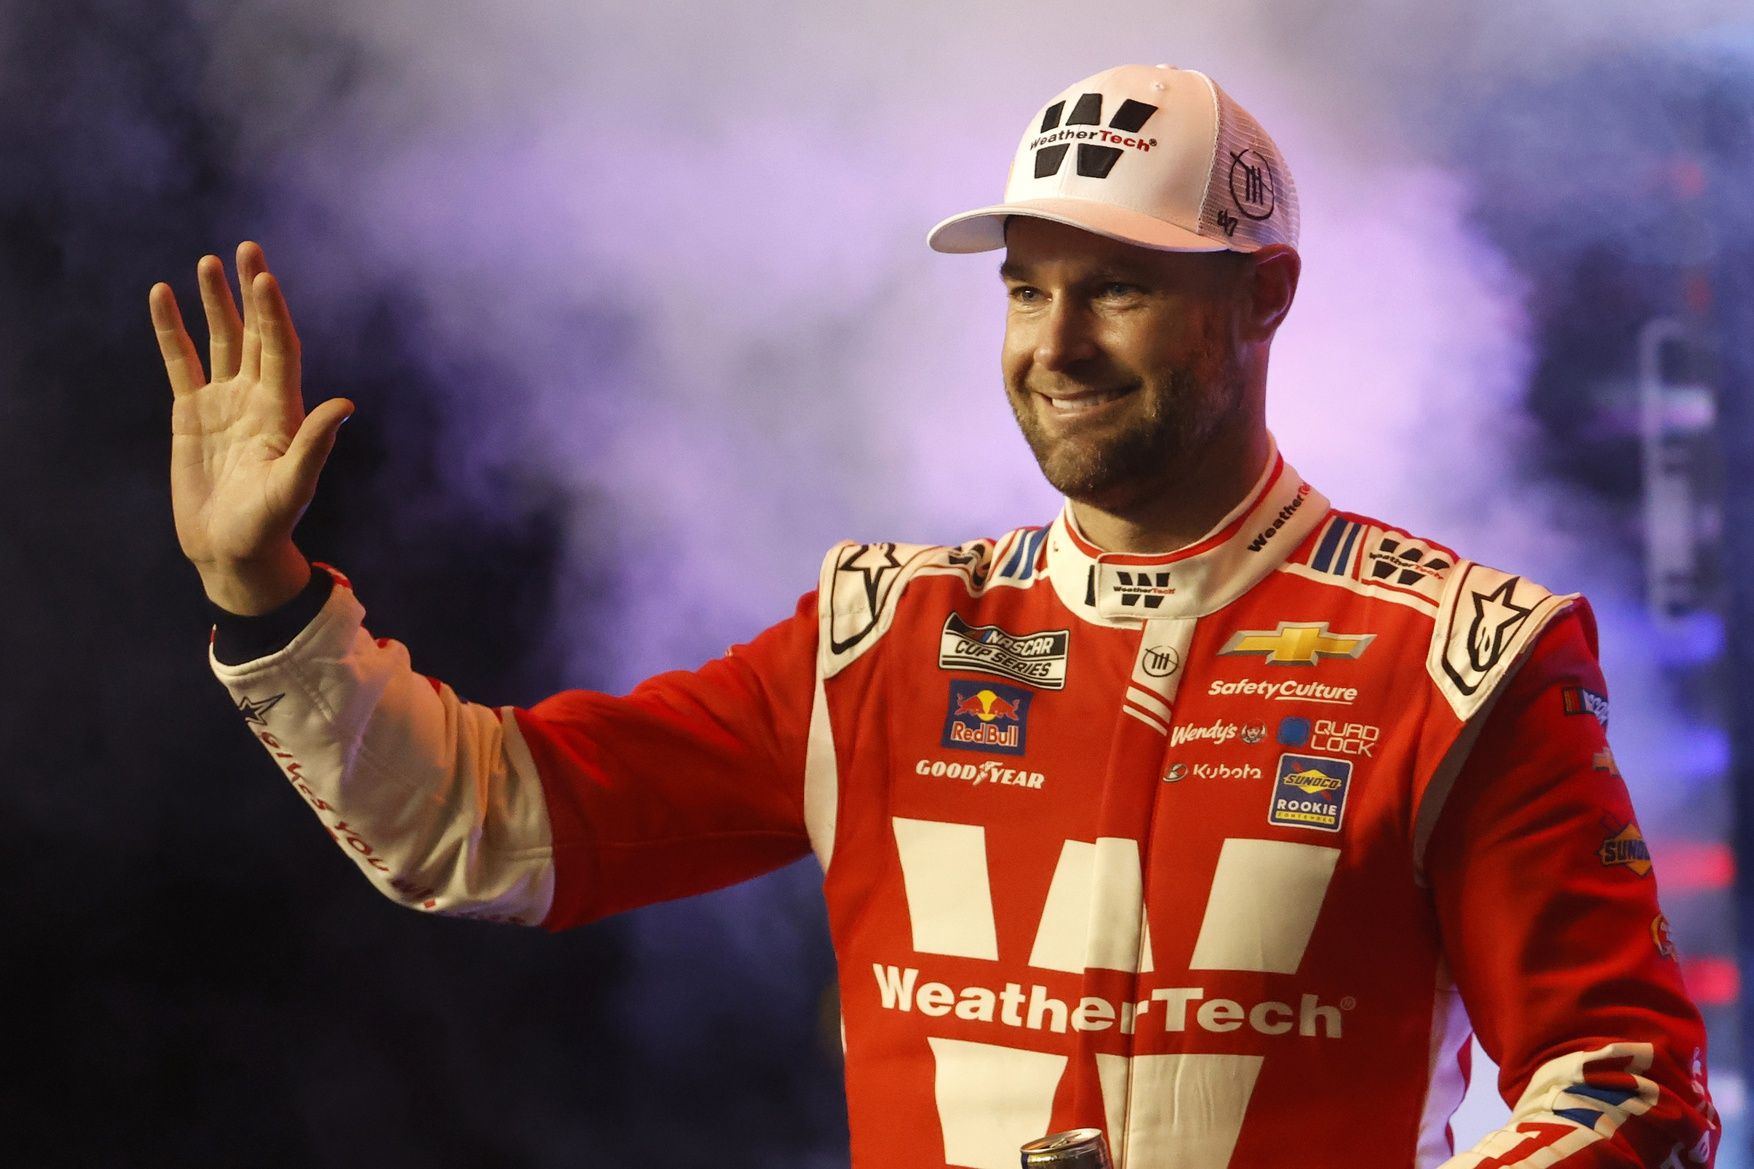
244,455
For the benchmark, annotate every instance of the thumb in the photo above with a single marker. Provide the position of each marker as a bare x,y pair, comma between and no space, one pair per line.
311,446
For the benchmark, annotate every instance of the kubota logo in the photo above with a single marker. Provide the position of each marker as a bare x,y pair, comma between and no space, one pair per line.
1095,159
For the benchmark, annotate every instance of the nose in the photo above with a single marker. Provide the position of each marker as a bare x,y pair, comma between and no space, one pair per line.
1063,335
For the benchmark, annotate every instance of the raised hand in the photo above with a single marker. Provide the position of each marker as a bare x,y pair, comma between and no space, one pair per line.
244,455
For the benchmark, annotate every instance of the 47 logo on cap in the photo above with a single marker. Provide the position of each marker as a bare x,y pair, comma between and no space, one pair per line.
987,716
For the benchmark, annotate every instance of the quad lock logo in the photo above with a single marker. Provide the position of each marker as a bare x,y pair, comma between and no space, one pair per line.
1084,126
987,717
1330,735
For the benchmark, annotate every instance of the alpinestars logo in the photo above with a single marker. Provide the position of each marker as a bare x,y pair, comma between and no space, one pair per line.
1094,161
255,710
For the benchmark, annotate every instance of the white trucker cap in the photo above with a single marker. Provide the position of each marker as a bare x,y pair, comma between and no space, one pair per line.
1147,154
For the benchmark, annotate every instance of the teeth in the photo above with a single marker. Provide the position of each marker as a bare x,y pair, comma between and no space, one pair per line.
1083,401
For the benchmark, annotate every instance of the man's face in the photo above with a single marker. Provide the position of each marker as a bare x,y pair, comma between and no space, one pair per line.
1121,362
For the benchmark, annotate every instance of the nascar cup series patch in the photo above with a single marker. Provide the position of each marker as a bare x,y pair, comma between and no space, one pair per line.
1310,792
987,716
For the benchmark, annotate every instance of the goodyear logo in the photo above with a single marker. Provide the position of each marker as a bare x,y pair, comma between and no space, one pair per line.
987,716
1626,848
1310,792
1297,643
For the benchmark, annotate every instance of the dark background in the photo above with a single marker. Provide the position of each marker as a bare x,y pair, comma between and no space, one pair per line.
197,977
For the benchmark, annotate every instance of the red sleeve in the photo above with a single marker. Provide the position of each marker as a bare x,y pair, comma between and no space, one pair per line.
1548,908
692,782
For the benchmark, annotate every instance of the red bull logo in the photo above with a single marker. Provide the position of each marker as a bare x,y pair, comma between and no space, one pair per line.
987,706
987,716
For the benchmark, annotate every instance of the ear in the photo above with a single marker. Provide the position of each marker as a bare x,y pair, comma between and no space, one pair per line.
1272,285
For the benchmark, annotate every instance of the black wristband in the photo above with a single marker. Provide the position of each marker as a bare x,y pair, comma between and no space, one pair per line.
238,639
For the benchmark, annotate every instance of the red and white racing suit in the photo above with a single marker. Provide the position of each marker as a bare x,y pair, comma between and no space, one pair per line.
1222,851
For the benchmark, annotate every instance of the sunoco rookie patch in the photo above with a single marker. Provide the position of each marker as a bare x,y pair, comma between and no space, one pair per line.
1310,792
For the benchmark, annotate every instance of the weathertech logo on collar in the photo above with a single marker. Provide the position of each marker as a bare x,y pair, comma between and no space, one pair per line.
1283,517
1297,643
1146,589
1038,659
1084,127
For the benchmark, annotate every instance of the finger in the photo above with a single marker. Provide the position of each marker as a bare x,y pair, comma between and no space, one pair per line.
181,361
280,350
251,263
225,329
304,458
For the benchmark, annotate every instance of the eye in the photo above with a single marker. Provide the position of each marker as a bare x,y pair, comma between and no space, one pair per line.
1024,294
1119,290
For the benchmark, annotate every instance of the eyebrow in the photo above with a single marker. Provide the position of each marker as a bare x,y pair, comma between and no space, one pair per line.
1110,271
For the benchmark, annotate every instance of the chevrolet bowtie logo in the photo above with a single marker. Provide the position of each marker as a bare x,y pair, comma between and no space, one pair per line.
1298,643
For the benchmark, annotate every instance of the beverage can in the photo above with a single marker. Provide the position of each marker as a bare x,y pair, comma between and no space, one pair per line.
1078,1148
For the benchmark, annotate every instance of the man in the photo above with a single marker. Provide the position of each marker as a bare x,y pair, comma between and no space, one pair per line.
1207,815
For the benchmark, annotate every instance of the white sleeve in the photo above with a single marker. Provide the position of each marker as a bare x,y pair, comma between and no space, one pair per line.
436,799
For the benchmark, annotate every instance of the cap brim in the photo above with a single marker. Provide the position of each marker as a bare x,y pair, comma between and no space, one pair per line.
983,229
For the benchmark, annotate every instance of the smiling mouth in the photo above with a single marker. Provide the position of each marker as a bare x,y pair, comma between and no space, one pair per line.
1080,403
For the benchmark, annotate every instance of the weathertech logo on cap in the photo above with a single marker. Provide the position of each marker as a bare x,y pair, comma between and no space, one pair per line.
1200,174
1095,159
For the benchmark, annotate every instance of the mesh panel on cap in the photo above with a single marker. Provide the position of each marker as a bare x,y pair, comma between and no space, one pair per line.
1251,199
